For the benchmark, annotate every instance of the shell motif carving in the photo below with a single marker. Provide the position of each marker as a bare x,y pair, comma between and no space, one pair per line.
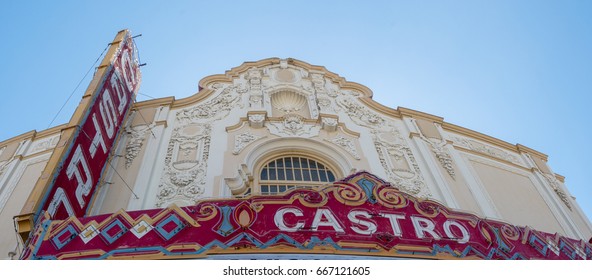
288,102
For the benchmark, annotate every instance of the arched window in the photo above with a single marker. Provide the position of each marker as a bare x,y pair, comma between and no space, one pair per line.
289,172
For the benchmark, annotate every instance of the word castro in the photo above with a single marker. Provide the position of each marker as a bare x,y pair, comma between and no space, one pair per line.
364,223
82,167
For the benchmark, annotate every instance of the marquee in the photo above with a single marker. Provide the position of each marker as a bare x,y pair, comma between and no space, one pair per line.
359,215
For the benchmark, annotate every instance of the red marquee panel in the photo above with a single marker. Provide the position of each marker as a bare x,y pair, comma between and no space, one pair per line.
360,215
80,170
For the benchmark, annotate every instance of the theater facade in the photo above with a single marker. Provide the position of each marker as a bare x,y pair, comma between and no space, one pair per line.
276,158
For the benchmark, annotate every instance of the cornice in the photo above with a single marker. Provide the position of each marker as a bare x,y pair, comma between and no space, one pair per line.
164,101
406,112
50,131
235,72
380,107
341,81
522,148
559,177
34,134
517,148
479,136
26,135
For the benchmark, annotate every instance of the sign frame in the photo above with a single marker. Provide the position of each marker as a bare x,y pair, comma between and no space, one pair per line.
70,179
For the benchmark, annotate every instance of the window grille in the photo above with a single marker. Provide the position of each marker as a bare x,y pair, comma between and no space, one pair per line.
286,173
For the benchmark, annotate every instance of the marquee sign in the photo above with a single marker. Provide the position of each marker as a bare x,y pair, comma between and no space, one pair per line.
80,170
360,215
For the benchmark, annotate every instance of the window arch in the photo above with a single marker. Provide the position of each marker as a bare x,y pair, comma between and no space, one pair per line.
293,171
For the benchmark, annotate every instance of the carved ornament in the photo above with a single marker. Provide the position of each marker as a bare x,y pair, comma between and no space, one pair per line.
346,144
485,149
243,140
293,125
137,136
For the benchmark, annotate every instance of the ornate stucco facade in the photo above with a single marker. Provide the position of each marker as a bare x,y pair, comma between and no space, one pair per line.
217,143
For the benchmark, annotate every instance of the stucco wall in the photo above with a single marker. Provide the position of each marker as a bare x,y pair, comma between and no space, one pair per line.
24,179
516,198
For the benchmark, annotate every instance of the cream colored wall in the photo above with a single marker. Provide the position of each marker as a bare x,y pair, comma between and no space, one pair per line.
561,202
31,170
462,194
24,158
516,197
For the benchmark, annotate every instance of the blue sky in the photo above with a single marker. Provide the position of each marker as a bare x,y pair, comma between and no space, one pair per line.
520,71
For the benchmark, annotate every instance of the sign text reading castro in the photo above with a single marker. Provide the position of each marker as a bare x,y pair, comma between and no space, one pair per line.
77,178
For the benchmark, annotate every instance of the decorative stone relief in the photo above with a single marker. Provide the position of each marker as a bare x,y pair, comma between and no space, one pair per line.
485,149
137,136
438,147
215,109
185,165
312,106
288,102
293,125
184,174
333,93
256,120
283,64
443,156
285,76
306,85
401,167
318,81
393,151
346,144
243,140
324,96
555,185
256,94
329,123
241,181
360,114
255,101
43,144
325,105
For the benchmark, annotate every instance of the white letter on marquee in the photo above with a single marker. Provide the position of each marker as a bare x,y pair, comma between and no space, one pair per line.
279,219
116,87
59,197
371,227
110,115
97,140
83,188
465,233
394,223
127,69
331,221
428,226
